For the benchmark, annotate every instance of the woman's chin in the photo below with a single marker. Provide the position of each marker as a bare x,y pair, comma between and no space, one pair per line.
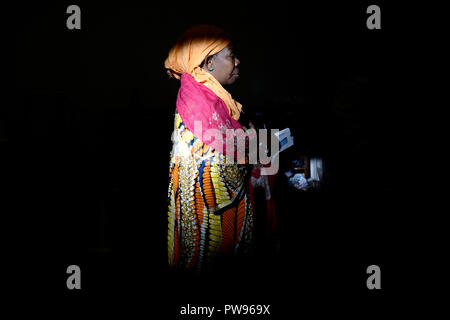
233,79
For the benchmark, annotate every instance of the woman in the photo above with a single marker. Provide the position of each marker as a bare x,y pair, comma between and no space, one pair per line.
210,214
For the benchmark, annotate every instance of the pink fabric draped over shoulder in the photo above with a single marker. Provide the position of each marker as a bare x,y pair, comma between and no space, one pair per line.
204,113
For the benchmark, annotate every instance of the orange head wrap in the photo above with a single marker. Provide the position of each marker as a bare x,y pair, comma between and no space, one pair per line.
190,51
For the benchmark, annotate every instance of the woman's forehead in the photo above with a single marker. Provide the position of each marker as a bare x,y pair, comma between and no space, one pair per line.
227,49
231,46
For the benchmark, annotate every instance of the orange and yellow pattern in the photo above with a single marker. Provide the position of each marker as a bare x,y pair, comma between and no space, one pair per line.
210,212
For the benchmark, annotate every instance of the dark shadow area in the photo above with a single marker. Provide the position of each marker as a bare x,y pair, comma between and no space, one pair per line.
88,142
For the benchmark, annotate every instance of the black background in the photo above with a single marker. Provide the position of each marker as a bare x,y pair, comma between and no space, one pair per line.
88,141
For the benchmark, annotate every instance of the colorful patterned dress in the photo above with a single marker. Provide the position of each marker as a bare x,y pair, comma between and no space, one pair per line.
210,213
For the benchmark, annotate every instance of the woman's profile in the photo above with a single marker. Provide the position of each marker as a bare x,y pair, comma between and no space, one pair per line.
210,213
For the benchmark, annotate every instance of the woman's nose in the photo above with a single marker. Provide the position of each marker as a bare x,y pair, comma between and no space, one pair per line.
236,62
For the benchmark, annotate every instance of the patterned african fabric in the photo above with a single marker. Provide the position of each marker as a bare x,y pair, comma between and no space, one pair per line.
210,212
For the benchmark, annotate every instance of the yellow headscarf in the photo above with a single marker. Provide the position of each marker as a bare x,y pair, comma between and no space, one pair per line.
190,51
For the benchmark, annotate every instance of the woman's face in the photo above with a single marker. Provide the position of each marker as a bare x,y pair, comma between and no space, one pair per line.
225,66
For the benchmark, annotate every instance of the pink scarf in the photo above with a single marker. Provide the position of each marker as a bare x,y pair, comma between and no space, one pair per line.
204,113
